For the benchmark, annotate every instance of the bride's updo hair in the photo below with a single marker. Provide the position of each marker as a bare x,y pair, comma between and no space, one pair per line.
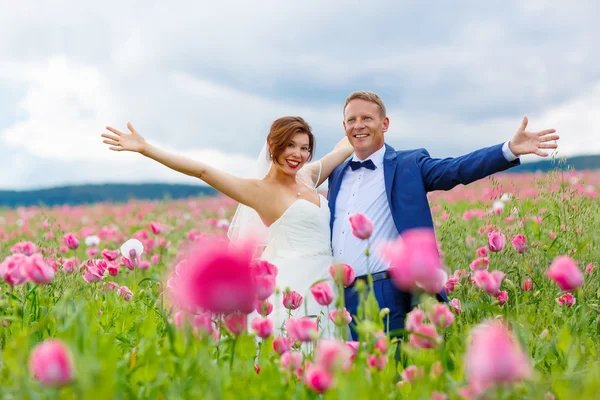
283,130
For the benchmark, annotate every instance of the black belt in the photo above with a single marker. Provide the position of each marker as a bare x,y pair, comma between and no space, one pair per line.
378,276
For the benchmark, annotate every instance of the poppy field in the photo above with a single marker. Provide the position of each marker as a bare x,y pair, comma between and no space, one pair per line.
147,299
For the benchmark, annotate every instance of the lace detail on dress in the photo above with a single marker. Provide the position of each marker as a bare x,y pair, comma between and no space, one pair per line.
310,174
318,175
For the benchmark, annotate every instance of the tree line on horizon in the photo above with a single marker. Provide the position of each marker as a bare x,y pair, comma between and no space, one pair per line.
119,193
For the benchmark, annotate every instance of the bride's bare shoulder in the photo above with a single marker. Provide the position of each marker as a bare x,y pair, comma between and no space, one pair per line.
266,188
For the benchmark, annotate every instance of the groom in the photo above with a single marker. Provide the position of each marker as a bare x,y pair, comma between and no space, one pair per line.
390,187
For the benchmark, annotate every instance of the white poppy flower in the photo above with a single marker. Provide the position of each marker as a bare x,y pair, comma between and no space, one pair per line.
498,205
92,241
132,245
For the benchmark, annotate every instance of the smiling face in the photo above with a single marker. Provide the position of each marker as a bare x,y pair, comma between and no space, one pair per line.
365,125
291,144
295,154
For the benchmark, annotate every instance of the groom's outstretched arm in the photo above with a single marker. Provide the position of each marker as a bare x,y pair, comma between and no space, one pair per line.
444,174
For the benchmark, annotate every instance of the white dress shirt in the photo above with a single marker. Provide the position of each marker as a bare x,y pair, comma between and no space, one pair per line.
363,191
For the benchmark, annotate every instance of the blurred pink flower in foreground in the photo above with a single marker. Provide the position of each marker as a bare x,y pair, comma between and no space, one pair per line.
495,357
415,262
564,272
362,227
51,363
215,277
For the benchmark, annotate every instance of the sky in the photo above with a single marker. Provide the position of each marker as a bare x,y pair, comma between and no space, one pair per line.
206,79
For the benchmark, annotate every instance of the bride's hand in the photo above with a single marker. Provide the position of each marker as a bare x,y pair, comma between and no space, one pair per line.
125,141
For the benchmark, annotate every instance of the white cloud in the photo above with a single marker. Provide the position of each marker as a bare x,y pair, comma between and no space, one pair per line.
207,80
64,105
578,122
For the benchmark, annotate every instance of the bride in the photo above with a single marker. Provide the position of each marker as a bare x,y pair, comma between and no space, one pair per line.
280,205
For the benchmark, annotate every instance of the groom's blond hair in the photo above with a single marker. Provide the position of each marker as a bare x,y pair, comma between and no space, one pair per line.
368,96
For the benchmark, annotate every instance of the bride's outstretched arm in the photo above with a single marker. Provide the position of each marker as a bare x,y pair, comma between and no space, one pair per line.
245,191
342,150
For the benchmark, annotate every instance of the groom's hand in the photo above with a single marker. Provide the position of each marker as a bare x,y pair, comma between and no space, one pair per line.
525,142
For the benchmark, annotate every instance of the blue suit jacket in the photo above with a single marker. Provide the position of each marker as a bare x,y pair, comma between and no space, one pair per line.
410,174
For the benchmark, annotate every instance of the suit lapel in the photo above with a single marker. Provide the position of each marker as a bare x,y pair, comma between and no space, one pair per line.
389,171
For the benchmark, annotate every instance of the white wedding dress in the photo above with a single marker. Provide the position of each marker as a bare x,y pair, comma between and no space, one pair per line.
299,245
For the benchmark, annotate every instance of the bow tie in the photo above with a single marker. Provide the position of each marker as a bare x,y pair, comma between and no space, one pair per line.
368,164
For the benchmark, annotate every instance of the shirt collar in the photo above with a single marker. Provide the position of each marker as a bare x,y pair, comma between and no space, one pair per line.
376,157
